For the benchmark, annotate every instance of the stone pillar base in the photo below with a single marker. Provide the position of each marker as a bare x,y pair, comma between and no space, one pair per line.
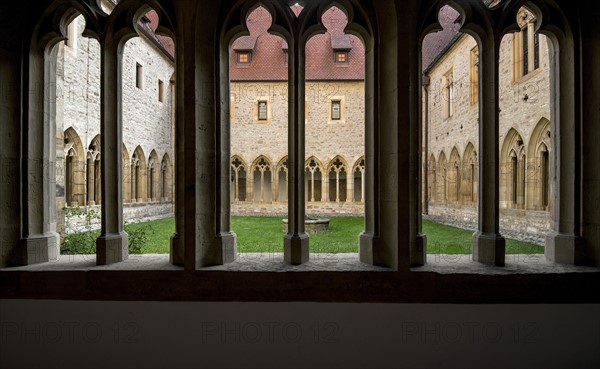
176,252
564,249
488,248
367,243
112,248
227,244
38,249
295,249
418,254
221,252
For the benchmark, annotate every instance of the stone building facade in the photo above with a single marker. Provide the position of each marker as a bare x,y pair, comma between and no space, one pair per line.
148,122
334,124
451,128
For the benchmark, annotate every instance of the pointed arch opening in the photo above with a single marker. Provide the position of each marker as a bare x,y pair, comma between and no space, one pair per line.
153,177
74,179
166,179
449,66
313,177
94,189
262,174
359,180
470,176
239,178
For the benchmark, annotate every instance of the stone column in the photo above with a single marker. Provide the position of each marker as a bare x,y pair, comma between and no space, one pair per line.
91,181
184,136
98,182
262,185
362,188
324,187
217,243
295,244
312,185
488,244
40,240
112,244
250,186
237,186
337,186
350,187
564,244
275,185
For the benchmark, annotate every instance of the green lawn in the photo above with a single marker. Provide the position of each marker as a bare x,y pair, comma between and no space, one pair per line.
265,234
443,239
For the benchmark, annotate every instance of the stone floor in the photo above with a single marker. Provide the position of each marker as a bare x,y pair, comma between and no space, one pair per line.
273,262
514,264
247,262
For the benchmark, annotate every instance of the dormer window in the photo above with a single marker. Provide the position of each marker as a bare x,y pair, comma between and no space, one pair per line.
341,57
244,58
341,45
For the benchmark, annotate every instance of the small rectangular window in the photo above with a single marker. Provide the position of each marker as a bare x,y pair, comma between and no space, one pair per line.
336,108
243,58
341,57
525,56
262,110
139,76
161,91
474,74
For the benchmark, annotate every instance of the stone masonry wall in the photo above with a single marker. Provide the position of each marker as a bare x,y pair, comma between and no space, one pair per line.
462,127
324,139
147,122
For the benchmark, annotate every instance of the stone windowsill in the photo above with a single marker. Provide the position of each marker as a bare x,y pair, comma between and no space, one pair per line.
273,262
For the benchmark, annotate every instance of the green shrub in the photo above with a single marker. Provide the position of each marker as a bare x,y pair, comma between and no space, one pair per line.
138,236
83,242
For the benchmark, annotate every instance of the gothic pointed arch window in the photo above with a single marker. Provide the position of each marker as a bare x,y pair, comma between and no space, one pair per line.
139,176
358,180
74,178
539,166
337,174
238,170
470,174
151,182
153,177
262,180
432,178
454,177
282,180
94,190
342,27
441,178
513,162
314,180
166,179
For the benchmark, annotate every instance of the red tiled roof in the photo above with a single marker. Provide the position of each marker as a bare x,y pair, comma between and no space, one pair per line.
435,43
341,42
269,58
163,42
245,43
